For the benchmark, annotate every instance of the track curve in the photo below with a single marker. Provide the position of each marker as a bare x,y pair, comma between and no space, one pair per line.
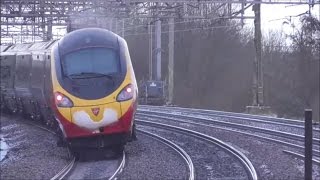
175,147
251,172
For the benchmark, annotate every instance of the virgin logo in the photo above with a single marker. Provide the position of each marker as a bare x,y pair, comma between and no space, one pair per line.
95,111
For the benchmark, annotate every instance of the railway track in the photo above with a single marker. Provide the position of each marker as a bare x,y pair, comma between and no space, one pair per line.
231,115
146,115
103,169
185,117
245,162
176,148
300,148
70,170
64,171
190,118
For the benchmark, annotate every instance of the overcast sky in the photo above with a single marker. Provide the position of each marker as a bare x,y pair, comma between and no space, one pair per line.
273,16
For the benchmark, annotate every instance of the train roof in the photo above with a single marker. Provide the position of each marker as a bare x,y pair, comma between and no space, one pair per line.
28,47
41,46
3,48
18,47
88,37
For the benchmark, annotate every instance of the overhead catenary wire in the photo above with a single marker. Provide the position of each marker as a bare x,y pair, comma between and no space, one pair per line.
180,22
193,20
189,29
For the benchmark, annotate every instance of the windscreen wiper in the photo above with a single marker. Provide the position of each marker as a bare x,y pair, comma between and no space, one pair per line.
83,75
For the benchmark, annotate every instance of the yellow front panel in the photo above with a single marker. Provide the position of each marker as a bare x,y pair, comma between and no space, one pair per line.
94,117
65,112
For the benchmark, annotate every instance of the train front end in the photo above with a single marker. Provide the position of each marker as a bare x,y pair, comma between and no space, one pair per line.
94,90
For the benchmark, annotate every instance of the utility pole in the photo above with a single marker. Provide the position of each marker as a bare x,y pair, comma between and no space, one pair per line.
242,12
258,74
158,49
229,8
259,58
258,105
171,60
43,26
49,31
150,51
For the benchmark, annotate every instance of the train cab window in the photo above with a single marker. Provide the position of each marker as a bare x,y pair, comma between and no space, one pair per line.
91,60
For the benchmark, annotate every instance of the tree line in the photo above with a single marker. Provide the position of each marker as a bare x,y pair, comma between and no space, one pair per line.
214,65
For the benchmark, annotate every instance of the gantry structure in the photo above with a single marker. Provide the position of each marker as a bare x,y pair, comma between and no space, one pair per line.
29,20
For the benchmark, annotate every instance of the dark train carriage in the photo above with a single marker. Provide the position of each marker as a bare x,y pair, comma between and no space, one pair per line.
22,86
14,56
8,61
36,84
25,69
40,56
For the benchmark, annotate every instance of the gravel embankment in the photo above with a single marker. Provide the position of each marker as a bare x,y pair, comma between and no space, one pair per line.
268,158
32,154
148,158
210,161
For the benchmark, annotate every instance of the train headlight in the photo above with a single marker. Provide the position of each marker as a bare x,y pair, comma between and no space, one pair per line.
61,100
126,93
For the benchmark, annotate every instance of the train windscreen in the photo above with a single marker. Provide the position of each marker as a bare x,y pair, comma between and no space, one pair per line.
91,62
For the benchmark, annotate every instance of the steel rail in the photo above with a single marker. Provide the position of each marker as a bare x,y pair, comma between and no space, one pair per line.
67,169
316,141
229,114
176,148
300,148
64,171
300,156
252,174
249,119
67,173
120,168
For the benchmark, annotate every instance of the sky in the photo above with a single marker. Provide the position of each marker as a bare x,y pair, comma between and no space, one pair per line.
273,16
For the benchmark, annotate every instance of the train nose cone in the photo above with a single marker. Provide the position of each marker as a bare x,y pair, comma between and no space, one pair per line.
95,111
93,121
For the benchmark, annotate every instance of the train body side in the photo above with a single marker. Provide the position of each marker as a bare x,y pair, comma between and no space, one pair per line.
8,63
24,92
